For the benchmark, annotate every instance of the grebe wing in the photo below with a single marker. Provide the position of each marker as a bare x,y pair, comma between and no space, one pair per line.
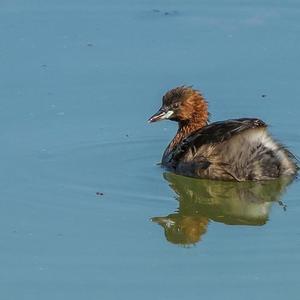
215,133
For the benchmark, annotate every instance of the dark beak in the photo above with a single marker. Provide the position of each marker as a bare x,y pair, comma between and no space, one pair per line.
160,115
163,221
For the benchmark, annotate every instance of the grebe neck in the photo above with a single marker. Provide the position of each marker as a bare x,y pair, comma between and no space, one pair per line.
185,129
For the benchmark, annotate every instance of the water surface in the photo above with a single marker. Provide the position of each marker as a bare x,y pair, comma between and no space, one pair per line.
86,212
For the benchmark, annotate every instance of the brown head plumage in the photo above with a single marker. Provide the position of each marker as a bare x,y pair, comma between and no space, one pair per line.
184,105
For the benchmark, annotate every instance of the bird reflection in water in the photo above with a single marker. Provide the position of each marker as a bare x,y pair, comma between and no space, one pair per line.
202,201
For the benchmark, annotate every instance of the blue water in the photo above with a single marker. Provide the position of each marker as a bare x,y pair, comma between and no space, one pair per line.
82,194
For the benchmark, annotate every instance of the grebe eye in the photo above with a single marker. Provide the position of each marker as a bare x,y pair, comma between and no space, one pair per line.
176,105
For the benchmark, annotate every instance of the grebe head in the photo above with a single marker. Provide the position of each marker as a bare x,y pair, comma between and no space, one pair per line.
182,104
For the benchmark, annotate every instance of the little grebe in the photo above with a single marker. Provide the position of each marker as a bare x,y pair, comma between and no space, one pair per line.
238,149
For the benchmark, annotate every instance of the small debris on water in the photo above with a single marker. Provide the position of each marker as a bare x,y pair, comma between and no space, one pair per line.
263,95
284,206
90,45
165,13
99,194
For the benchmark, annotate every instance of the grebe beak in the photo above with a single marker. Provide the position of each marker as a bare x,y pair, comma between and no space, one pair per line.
161,115
163,221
